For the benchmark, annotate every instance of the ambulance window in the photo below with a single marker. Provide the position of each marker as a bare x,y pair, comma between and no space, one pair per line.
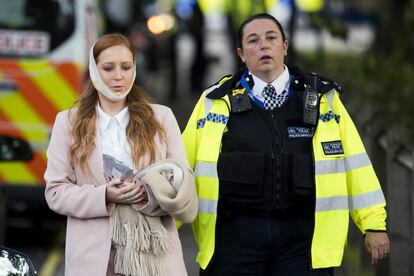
54,18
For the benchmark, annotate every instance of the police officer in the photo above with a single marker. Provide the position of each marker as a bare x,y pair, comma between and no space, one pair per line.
279,167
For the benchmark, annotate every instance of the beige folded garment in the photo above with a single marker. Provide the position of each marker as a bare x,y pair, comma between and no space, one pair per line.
140,240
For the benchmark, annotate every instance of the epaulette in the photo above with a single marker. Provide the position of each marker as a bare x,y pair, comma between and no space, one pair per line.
223,79
327,85
323,84
227,83
220,81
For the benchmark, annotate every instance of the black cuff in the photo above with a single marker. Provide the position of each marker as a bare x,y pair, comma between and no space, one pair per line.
375,231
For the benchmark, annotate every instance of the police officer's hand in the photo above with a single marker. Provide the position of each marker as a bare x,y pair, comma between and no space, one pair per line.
378,245
124,192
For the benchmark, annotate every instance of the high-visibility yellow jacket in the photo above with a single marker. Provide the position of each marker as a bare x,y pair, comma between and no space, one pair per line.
310,5
345,183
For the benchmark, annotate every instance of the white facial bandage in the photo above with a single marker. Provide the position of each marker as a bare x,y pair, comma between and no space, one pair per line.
100,85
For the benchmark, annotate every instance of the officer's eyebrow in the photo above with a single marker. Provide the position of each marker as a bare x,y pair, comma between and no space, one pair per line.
271,32
255,34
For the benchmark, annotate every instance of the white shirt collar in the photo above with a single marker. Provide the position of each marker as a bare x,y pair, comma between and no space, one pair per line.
113,136
280,84
122,118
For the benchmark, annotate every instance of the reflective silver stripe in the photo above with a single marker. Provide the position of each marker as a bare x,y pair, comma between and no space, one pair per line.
329,166
329,97
366,200
331,203
207,206
357,161
207,102
351,202
206,169
351,162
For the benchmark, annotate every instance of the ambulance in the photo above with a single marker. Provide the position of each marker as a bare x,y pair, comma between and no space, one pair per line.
44,48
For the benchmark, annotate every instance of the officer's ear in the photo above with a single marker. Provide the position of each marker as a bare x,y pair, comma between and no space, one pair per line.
240,53
286,46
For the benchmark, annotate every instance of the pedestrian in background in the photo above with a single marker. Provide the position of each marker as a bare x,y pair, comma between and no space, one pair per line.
279,167
123,223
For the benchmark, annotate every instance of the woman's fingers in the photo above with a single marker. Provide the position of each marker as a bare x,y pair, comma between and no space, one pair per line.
126,192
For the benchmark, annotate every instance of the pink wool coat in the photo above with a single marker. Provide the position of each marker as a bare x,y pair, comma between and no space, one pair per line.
81,197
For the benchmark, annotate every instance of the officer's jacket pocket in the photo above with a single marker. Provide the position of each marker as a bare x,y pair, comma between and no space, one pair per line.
302,175
241,175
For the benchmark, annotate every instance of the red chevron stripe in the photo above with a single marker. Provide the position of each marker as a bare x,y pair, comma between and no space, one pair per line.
70,73
38,167
7,127
29,90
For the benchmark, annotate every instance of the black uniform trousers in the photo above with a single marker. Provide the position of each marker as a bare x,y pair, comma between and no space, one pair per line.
263,246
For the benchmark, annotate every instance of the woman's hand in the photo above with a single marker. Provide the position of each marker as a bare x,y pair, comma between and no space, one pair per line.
125,192
142,194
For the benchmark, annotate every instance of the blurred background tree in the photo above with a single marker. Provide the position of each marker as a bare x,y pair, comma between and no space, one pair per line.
381,79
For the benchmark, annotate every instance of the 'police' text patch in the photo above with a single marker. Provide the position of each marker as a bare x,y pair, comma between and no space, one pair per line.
332,148
300,132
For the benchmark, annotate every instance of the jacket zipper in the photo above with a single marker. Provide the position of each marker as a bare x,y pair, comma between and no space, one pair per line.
276,170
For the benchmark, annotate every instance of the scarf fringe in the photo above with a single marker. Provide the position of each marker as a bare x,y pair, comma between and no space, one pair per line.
160,241
118,231
140,242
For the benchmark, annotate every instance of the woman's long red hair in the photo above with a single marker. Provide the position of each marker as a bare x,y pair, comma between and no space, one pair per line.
142,126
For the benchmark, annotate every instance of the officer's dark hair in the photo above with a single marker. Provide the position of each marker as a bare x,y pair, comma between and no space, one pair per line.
254,17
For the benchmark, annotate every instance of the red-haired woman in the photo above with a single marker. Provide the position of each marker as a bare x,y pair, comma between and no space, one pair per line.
115,225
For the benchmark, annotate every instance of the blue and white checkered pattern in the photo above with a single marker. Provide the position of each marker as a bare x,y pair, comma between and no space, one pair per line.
212,117
201,122
329,116
217,118
271,99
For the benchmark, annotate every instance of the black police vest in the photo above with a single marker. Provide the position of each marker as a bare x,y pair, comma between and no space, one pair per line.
265,166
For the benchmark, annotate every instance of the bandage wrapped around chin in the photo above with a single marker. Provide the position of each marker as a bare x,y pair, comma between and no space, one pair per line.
100,85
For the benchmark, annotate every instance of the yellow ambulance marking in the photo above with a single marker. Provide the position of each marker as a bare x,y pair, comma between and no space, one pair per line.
49,81
17,171
16,109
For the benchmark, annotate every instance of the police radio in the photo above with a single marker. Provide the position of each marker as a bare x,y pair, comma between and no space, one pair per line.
310,110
